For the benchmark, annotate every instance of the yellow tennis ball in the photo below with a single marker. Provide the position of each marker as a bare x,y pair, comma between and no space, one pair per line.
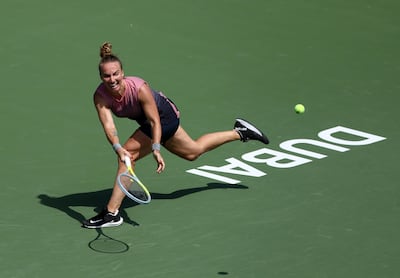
299,108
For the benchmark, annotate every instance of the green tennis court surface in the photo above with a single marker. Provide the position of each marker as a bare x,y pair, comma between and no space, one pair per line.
334,216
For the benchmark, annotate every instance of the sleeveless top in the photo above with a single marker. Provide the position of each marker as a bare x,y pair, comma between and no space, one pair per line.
129,106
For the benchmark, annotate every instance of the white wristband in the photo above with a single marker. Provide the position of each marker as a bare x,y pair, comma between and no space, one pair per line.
117,146
156,147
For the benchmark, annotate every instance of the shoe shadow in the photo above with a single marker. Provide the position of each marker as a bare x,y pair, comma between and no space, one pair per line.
98,199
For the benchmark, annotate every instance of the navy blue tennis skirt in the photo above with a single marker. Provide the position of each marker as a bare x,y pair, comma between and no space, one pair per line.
167,129
169,117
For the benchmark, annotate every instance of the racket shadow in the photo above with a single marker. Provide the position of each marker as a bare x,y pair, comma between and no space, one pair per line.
106,244
97,200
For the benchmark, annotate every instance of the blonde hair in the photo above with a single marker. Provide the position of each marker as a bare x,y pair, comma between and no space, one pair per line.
105,49
107,56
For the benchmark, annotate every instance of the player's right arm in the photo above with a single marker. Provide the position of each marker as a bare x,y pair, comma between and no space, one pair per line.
107,121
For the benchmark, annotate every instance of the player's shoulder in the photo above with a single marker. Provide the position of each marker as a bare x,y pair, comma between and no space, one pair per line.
100,94
135,83
135,79
100,89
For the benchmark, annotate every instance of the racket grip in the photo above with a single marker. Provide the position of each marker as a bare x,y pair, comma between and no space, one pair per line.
127,161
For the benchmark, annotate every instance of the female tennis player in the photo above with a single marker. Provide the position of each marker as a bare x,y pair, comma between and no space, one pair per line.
158,118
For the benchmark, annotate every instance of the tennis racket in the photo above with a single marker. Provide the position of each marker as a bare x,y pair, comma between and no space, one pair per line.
132,186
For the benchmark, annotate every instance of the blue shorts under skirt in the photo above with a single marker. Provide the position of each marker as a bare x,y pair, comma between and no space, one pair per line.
167,129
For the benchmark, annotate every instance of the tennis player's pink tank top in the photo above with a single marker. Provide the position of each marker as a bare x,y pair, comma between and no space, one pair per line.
128,106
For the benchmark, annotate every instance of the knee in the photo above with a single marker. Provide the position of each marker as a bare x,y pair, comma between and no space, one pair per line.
191,157
190,153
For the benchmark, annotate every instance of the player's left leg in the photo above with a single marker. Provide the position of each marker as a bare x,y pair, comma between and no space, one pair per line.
184,146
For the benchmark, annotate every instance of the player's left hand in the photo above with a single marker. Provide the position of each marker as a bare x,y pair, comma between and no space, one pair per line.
160,161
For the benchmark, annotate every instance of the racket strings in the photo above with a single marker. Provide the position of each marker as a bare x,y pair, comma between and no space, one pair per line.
133,187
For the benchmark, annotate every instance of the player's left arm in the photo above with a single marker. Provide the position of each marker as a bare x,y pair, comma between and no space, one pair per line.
150,109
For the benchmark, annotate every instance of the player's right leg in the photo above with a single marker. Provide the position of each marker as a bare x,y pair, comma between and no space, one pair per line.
139,145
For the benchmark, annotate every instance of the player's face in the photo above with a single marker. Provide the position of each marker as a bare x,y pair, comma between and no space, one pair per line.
112,76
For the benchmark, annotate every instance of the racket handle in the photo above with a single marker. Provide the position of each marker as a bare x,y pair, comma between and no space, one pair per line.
128,162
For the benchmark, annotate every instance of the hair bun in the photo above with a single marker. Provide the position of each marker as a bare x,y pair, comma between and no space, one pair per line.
105,49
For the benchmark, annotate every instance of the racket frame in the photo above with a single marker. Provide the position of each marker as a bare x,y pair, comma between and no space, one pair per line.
131,174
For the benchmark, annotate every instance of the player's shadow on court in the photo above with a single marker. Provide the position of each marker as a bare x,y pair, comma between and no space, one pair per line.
98,199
